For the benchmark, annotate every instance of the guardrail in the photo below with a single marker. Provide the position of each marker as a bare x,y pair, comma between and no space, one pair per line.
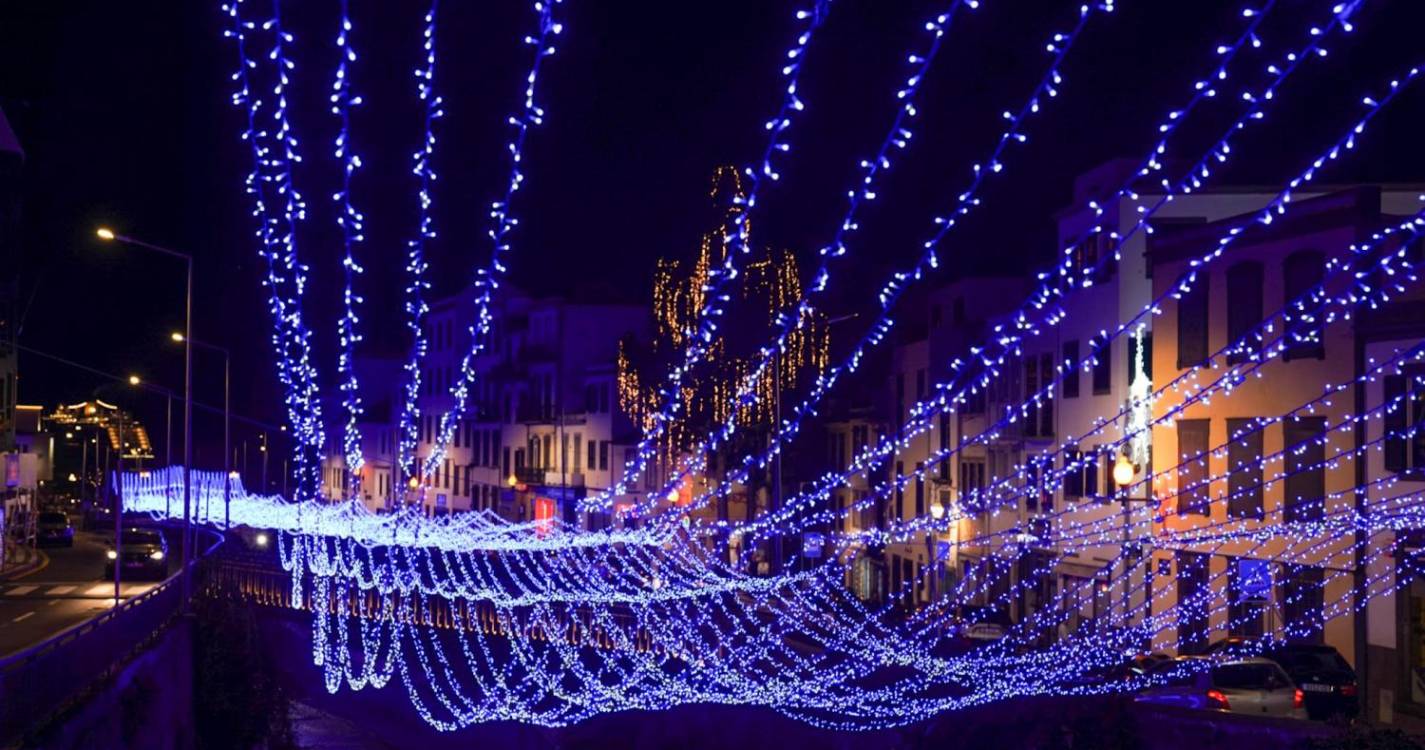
267,585
45,679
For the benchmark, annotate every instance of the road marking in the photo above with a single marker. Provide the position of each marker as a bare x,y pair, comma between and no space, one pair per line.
100,590
23,617
57,590
20,590
54,602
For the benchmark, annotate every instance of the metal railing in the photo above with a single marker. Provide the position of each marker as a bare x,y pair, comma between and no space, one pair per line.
42,681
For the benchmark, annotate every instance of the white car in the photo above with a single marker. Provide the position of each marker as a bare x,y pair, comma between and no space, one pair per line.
1244,686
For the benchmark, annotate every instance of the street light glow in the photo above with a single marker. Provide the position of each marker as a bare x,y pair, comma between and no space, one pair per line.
134,380
176,336
1123,471
105,233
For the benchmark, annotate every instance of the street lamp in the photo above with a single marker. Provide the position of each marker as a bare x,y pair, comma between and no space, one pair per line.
135,380
108,235
1123,471
227,418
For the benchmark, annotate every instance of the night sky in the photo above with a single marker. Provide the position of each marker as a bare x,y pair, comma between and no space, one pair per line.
123,109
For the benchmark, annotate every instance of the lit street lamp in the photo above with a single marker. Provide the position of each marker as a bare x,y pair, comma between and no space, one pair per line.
109,235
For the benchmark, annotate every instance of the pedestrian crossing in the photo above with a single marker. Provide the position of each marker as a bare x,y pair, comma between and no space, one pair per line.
72,590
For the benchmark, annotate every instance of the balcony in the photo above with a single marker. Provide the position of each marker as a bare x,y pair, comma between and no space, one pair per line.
548,477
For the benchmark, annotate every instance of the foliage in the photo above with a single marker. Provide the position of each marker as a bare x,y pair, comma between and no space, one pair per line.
238,701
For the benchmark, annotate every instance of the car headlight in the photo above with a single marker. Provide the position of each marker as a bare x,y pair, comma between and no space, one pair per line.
112,555
156,555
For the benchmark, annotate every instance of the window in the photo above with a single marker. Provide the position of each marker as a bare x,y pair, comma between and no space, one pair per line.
1304,319
1404,450
1194,596
1031,404
837,450
972,483
944,446
1306,474
1244,469
900,394
1046,377
604,455
1249,584
1192,471
1244,311
919,490
1073,474
1038,417
593,454
1070,386
1192,321
1302,598
900,490
1081,470
578,448
1034,498
1102,365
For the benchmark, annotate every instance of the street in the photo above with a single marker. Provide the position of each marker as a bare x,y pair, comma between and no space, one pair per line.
65,592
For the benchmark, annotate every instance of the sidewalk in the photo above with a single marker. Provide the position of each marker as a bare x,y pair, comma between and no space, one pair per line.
20,559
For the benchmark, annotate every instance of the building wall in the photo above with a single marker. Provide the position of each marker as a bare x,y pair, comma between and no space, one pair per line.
1328,225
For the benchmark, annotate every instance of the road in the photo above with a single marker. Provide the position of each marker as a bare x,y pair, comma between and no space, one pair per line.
67,591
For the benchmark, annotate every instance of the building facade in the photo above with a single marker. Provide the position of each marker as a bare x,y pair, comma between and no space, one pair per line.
1274,453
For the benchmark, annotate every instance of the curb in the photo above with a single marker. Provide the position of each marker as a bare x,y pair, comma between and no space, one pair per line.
38,560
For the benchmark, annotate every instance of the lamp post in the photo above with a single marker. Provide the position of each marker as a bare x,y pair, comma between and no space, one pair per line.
116,555
109,235
1123,473
137,382
227,420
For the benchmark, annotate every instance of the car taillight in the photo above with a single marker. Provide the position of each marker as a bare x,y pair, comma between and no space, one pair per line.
1348,689
1216,699
1298,699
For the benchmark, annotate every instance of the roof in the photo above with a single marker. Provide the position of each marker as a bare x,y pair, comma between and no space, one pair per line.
9,144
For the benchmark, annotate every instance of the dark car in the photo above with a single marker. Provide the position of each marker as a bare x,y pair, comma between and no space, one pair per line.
1326,679
142,552
53,527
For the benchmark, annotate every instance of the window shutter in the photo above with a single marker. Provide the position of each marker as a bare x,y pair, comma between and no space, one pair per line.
1395,420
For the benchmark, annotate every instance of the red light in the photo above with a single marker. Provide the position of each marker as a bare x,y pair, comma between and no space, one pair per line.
543,515
1349,689
1298,699
1216,699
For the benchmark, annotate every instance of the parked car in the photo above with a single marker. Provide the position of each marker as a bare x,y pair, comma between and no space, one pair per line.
1234,646
1255,686
1324,676
1137,665
53,527
141,552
